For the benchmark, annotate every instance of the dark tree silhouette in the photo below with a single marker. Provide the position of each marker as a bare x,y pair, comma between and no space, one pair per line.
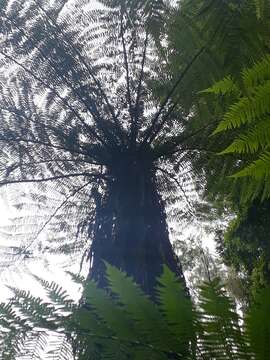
77,112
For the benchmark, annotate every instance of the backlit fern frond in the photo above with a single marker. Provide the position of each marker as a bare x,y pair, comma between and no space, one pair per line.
259,170
220,336
56,294
122,323
177,310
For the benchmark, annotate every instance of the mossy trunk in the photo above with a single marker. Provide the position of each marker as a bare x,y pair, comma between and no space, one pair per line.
131,230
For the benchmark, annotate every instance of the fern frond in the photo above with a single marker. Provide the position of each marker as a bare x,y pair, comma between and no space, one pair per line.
177,309
56,294
259,6
255,139
125,324
34,345
219,331
247,109
77,278
113,315
148,321
38,312
258,169
257,325
257,74
13,331
225,86
61,349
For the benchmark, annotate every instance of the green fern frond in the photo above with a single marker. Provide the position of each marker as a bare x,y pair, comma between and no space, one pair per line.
259,5
77,278
124,323
258,169
257,74
253,140
56,294
257,325
147,318
34,308
113,315
223,87
220,336
250,115
177,309
247,109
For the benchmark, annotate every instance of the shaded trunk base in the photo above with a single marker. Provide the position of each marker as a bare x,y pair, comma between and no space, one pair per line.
131,231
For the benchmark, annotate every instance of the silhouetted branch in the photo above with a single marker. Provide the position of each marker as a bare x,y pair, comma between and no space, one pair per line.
41,143
151,132
126,65
134,129
171,146
52,178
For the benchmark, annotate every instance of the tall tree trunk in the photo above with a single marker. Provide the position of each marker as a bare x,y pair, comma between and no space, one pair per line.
131,231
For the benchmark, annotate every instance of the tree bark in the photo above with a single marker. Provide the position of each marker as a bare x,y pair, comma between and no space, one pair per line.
131,230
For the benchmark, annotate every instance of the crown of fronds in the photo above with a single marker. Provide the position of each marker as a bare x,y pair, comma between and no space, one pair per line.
248,118
123,323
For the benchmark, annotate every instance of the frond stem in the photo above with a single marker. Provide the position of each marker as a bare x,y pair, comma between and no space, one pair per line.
53,178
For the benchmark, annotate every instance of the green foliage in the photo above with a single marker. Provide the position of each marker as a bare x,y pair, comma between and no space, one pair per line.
262,8
121,322
258,321
221,29
219,328
246,247
248,120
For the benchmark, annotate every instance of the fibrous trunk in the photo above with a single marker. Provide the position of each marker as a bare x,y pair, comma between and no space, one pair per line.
131,231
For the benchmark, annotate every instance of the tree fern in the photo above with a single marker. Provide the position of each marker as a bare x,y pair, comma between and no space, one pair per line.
78,116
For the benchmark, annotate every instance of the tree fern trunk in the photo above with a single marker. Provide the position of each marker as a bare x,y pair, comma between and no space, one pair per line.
131,230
